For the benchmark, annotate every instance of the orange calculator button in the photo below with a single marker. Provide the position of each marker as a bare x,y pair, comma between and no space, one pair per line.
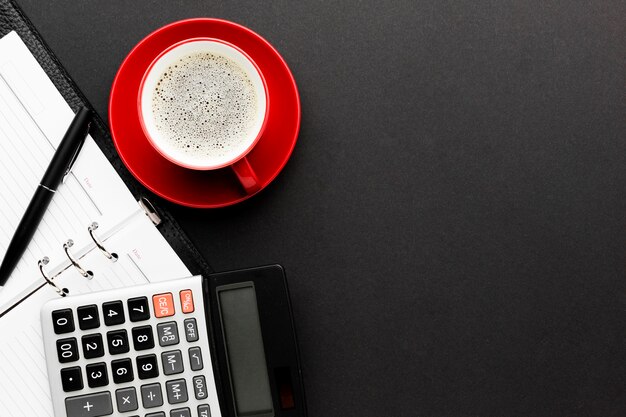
163,304
186,301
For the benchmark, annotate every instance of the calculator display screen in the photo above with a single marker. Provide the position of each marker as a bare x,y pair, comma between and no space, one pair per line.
244,345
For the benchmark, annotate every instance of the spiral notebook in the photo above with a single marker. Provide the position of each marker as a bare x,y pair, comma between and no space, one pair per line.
33,118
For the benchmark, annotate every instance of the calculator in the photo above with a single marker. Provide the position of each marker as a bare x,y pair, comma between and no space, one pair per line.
204,346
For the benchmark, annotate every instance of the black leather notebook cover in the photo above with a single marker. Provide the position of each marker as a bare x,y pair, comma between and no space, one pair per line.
12,18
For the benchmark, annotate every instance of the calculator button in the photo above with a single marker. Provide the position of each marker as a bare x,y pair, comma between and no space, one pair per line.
172,362
168,333
71,379
138,309
92,346
204,410
163,305
113,313
122,370
67,350
63,321
147,366
191,330
143,338
88,317
181,412
199,386
151,395
118,342
126,399
186,301
195,358
90,405
176,391
159,414
97,375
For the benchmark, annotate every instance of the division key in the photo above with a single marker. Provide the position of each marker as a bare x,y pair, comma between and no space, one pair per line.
90,405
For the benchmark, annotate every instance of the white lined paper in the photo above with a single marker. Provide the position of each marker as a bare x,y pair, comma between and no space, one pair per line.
93,192
30,129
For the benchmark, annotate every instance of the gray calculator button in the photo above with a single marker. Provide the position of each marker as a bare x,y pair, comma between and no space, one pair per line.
159,414
199,386
126,399
151,395
90,405
172,362
204,410
168,333
176,391
191,330
181,412
195,358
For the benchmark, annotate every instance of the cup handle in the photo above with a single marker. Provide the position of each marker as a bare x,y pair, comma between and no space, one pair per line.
246,175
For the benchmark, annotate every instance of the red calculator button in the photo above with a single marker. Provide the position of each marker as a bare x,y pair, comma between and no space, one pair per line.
163,305
186,301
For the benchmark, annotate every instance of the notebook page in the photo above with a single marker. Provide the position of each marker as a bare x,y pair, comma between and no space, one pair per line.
33,119
103,234
143,256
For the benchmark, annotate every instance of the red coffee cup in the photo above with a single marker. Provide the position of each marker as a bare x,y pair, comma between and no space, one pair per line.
232,156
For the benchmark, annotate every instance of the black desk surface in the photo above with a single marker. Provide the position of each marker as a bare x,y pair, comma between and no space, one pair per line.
453,218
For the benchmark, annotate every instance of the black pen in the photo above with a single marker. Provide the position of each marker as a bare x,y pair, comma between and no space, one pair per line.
59,167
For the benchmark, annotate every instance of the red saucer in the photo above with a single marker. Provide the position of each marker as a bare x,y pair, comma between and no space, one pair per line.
203,189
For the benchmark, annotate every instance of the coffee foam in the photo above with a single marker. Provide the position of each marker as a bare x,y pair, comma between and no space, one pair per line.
204,106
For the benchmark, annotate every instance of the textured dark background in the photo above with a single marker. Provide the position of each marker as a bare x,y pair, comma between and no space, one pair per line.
453,217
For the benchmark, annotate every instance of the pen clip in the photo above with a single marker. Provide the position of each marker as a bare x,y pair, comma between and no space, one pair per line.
74,157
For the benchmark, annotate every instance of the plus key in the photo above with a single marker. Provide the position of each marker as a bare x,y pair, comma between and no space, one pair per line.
90,405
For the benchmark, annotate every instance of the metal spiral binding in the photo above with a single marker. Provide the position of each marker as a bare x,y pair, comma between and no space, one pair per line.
43,262
84,272
112,256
